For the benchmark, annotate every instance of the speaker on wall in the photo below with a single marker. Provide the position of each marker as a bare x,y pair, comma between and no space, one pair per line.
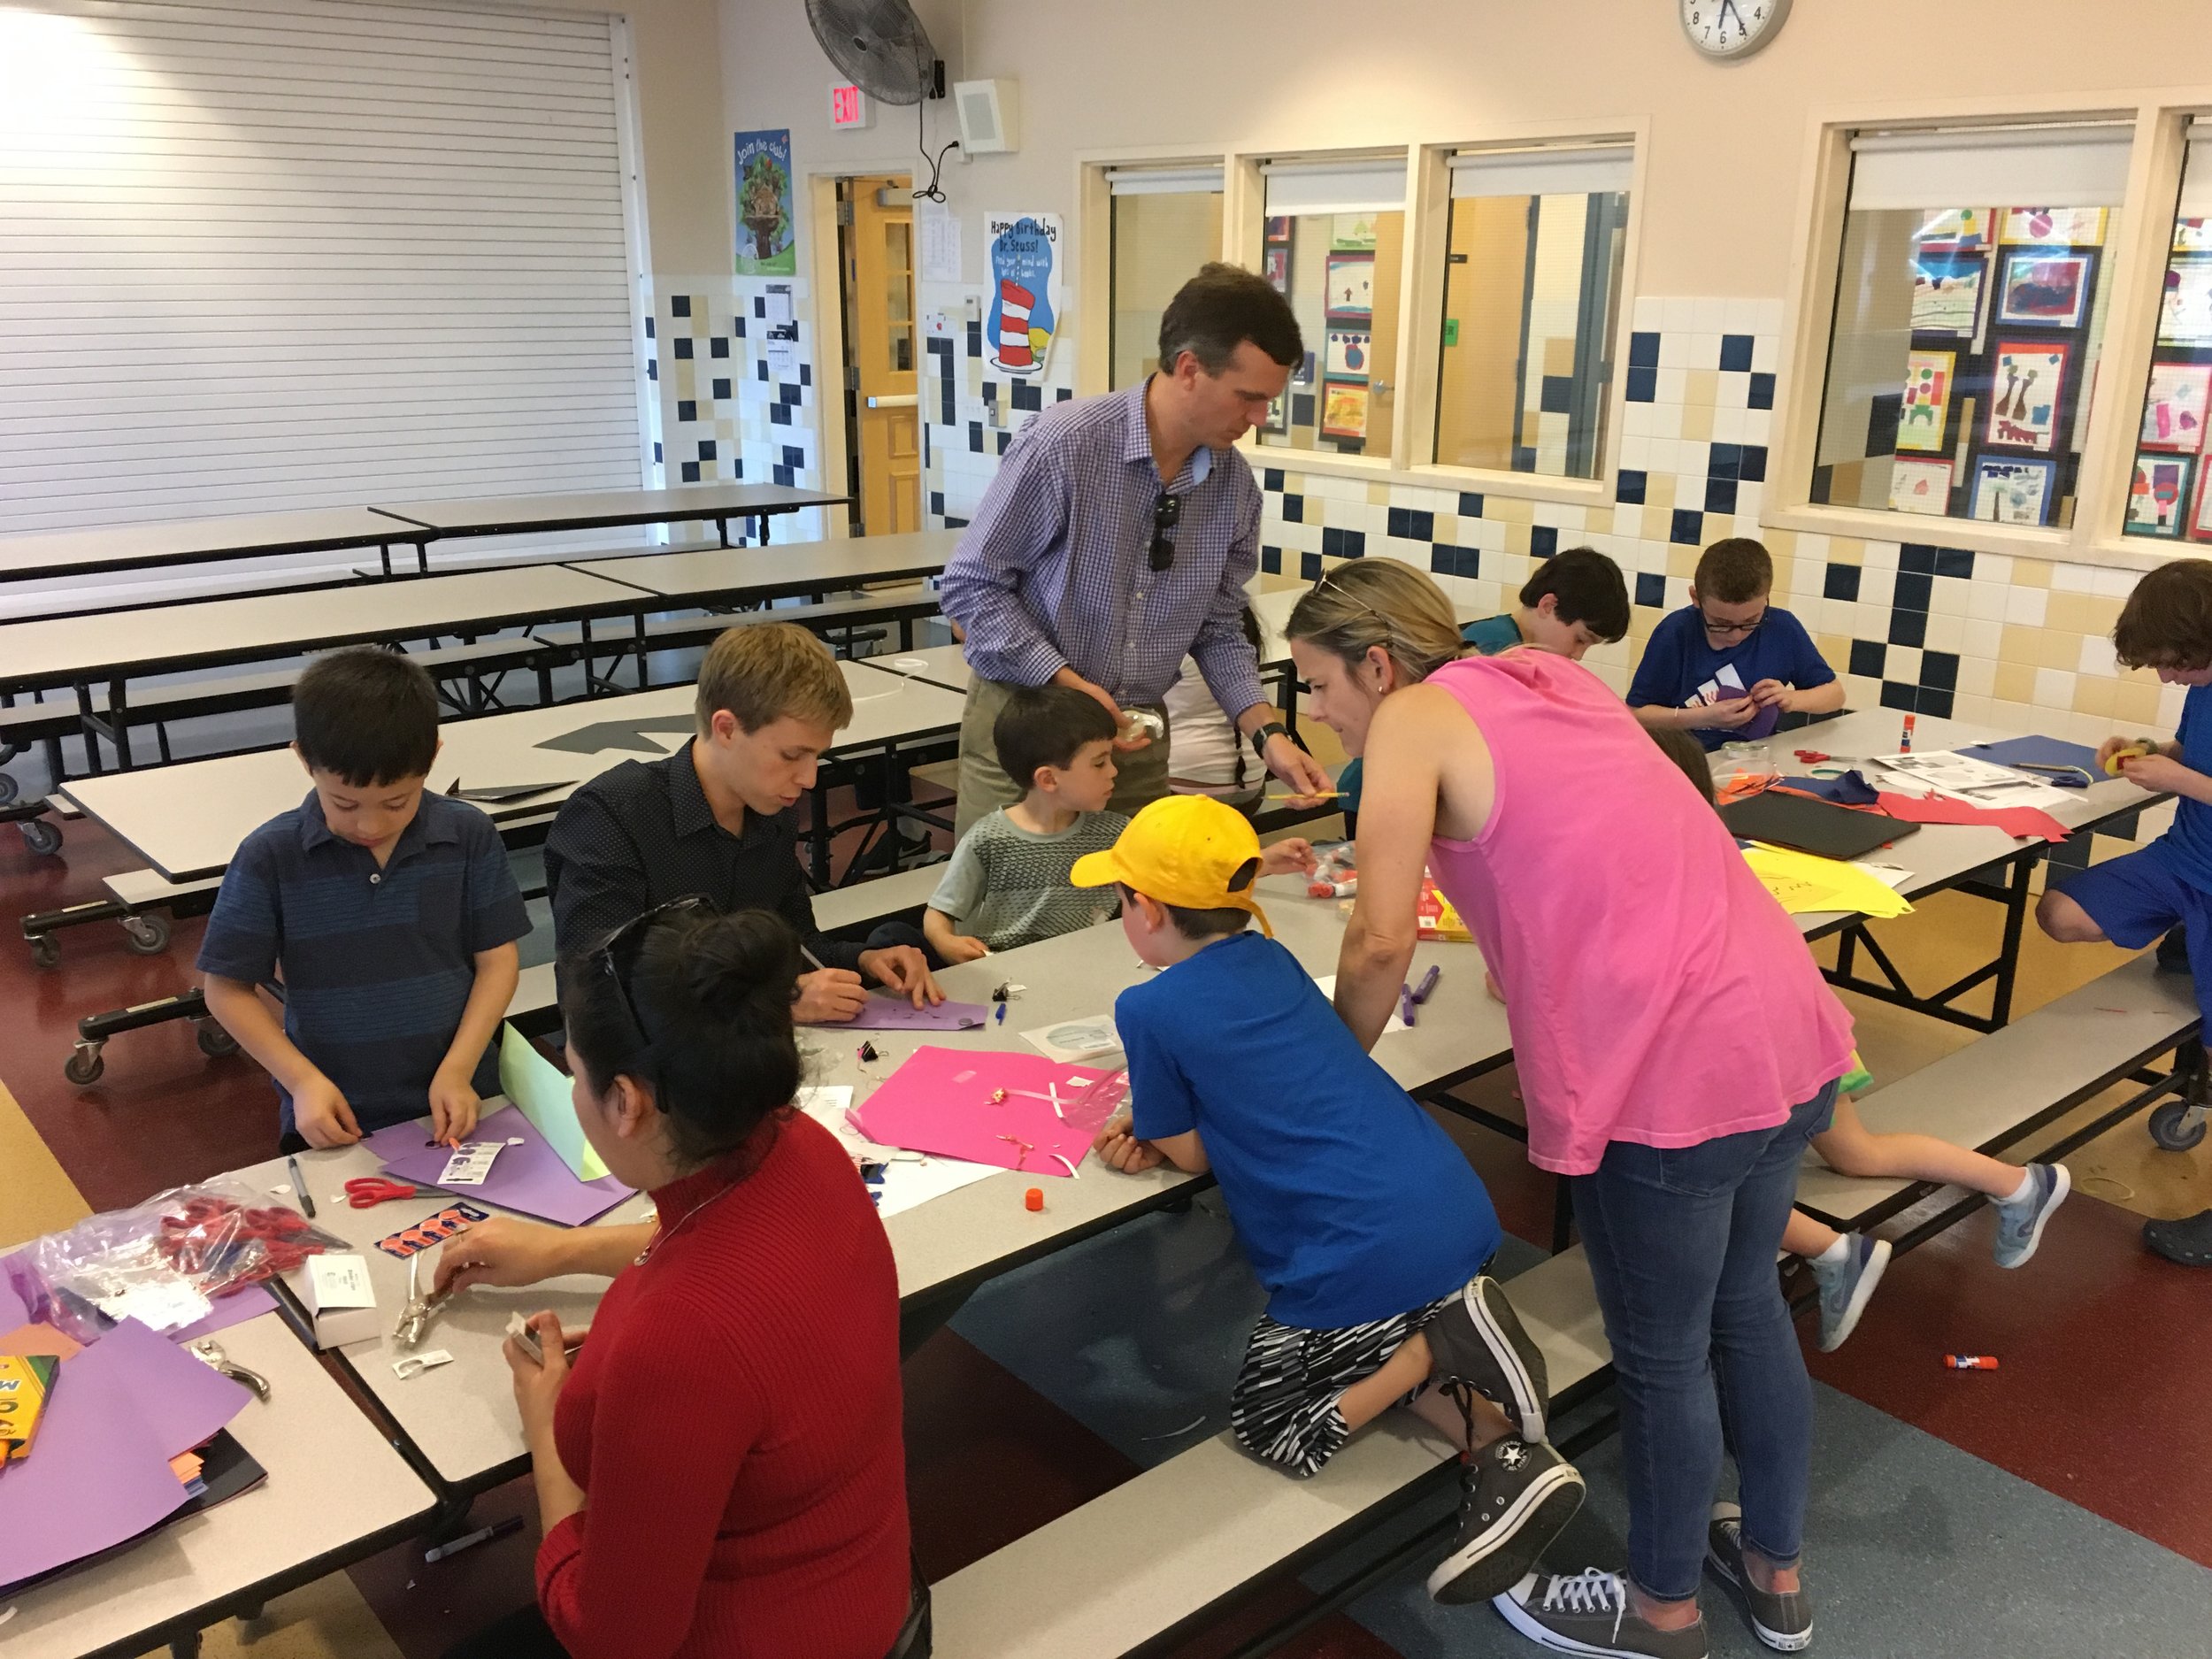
990,116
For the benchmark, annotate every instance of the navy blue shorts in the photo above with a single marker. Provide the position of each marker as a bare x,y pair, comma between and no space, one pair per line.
2141,896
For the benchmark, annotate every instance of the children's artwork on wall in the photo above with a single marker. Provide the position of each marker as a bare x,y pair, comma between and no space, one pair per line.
2158,497
2174,408
1946,291
1023,250
2013,492
2050,290
1351,279
767,234
2025,382
1275,266
1956,227
2200,521
1920,486
1278,227
1922,411
1351,354
1277,413
2055,226
1344,408
1302,375
2193,235
2185,314
1353,232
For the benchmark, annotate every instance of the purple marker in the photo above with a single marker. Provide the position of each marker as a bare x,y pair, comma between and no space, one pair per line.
1405,1003
1428,984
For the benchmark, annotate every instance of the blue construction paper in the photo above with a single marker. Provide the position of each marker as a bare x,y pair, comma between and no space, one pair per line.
1849,788
2043,751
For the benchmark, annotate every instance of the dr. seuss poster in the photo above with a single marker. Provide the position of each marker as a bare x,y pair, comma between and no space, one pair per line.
767,236
1026,251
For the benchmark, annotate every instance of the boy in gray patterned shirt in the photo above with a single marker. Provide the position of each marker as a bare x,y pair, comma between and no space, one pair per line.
1008,882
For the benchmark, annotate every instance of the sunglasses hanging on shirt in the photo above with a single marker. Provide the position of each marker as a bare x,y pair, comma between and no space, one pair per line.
1167,513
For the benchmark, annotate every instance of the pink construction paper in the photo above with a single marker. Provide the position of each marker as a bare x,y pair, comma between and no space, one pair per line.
940,1101
181,1400
530,1178
895,1013
96,1476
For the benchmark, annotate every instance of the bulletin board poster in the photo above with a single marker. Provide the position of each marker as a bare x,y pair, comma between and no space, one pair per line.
767,234
1026,252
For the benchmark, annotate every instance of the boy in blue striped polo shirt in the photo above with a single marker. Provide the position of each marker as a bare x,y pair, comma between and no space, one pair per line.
389,915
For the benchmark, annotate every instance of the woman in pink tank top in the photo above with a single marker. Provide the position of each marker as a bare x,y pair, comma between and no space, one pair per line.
1675,1047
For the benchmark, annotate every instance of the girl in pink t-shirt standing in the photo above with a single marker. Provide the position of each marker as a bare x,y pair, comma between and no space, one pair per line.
1675,1044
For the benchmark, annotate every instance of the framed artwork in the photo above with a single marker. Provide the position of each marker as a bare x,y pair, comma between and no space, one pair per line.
1352,232
2174,408
1344,408
2200,521
1303,375
1351,354
1946,291
2050,290
2025,380
2054,226
2193,235
1924,410
2185,313
1351,292
2158,496
1275,266
1278,227
1923,486
1956,227
2013,492
1277,414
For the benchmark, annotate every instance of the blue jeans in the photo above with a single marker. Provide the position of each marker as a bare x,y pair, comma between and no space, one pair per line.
1682,1243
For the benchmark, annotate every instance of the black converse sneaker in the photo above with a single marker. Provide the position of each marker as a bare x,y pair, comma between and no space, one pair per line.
1514,1498
1478,1342
1783,1620
1589,1613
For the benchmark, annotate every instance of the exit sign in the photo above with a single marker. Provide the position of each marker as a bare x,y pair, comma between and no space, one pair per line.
849,107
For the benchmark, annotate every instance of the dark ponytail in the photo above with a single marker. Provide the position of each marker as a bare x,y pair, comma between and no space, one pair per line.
701,1017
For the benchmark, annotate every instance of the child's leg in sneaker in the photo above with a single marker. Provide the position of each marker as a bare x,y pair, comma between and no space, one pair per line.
1405,1371
1807,1238
1849,1148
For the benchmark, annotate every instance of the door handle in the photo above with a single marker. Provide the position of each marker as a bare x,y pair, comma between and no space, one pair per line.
1381,388
908,400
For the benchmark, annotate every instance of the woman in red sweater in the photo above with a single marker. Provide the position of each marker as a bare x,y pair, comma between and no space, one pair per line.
719,1469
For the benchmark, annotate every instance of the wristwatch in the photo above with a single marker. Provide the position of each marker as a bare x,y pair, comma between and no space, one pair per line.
1273,728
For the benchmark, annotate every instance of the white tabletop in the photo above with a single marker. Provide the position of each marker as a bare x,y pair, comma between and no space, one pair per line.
589,510
186,821
59,650
945,665
336,1492
190,541
792,567
1274,605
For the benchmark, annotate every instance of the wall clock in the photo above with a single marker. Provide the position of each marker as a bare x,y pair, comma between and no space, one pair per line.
1725,30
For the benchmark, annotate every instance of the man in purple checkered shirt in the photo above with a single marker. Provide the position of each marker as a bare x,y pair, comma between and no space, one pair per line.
1117,539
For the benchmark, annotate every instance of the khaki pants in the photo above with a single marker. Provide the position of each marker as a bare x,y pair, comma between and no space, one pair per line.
984,788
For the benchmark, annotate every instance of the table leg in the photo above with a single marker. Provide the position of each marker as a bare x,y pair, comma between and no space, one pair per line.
760,527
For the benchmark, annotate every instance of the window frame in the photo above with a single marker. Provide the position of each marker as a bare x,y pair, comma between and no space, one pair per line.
2135,264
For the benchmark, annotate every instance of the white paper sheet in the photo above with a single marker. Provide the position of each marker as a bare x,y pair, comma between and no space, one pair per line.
909,1177
1977,782
1327,982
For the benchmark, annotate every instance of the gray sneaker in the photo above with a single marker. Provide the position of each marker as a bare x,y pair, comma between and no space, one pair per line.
1514,1498
1478,1343
1784,1622
2020,1227
1846,1287
1589,1613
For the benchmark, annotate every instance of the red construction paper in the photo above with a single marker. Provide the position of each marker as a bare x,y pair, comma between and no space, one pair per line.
2022,822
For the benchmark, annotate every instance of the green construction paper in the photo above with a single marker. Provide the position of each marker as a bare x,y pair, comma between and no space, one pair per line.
540,1093
1451,330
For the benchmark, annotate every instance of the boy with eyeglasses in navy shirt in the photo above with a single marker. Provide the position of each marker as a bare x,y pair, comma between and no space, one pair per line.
1730,663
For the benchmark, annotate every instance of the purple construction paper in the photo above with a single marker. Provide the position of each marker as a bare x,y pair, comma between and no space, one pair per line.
182,1400
241,1305
95,1476
530,1178
13,1308
895,1013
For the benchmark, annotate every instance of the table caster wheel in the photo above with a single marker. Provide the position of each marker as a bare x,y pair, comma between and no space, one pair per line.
2178,1126
45,951
214,1042
85,1065
41,836
146,936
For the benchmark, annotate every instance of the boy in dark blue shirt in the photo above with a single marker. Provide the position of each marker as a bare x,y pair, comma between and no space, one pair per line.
391,916
1366,1224
2166,887
1731,664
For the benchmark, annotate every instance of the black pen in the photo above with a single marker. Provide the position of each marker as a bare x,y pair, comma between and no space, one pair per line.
299,1186
482,1535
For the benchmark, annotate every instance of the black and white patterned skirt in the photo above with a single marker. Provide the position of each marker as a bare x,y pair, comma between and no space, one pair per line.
1284,1406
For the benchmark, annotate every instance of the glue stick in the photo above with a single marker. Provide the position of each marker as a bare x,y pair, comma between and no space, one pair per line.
1970,1362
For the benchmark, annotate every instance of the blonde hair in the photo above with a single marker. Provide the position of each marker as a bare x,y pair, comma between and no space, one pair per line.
1381,601
761,672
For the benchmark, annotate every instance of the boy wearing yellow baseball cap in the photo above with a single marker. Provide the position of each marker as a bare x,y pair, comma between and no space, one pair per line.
1362,1220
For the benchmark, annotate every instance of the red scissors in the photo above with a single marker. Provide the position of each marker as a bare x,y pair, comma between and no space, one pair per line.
364,1190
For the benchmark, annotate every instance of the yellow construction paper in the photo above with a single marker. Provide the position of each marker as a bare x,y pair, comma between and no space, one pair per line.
540,1093
1802,884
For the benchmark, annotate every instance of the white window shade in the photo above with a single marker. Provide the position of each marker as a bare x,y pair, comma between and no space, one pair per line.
1588,170
2196,173
1336,186
1165,180
2015,167
290,257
